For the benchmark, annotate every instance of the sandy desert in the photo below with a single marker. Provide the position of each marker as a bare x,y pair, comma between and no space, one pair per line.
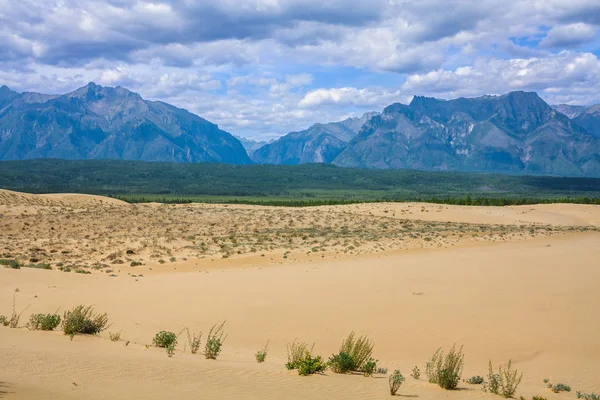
516,283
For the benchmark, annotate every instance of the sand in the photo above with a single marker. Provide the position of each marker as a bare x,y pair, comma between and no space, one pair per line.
529,297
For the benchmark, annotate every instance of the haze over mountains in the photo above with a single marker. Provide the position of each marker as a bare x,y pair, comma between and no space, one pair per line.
514,133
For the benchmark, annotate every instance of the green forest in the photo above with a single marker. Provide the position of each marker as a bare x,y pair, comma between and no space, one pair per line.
302,185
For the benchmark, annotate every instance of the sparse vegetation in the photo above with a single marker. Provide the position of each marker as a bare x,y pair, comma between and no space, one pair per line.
309,365
395,381
13,264
360,350
382,370
83,320
43,322
214,341
341,363
559,387
416,372
114,337
505,382
164,339
15,317
588,396
261,355
296,352
446,370
369,367
193,340
475,380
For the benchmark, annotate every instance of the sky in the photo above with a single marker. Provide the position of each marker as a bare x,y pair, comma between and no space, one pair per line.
263,68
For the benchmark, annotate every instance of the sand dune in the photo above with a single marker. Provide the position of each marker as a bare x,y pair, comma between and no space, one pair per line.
527,296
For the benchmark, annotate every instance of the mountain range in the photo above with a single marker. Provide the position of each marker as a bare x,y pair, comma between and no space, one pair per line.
96,122
513,133
321,143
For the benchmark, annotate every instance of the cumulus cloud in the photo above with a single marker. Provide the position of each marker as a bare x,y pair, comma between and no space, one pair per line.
575,74
267,67
370,97
569,35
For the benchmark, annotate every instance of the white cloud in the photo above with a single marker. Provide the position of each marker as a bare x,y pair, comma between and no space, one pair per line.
370,97
569,35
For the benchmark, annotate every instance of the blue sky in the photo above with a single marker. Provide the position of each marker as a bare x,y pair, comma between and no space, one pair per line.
263,68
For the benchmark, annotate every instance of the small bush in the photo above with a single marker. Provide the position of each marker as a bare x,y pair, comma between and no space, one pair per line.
368,368
114,337
504,383
83,320
13,322
14,264
164,339
296,352
310,365
382,370
559,387
43,322
261,355
40,266
3,320
171,349
361,349
214,341
588,396
194,341
416,372
475,380
395,381
341,363
536,398
445,371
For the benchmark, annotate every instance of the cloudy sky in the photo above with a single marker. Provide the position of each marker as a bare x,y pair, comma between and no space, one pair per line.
262,68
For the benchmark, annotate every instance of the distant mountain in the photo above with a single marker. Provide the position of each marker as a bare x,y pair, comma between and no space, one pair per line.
587,117
514,133
320,143
250,144
96,122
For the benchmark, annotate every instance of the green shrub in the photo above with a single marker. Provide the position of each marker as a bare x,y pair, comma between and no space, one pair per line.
261,355
475,380
14,264
382,370
341,363
296,352
446,370
214,341
368,368
504,383
3,320
559,387
416,372
361,349
171,349
536,398
40,266
588,396
309,365
43,322
164,339
83,320
395,381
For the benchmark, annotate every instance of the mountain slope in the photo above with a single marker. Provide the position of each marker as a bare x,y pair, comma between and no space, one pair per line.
101,122
588,117
514,133
320,143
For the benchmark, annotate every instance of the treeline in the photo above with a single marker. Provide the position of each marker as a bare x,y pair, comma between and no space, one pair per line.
301,185
465,201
